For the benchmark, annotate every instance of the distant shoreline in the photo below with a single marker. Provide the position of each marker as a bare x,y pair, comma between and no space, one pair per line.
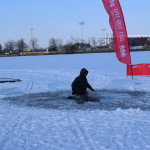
67,52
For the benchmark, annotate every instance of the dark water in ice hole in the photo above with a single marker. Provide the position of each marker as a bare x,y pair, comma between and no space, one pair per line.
103,100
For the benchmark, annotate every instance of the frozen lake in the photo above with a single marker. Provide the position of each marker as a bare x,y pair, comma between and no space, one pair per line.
36,115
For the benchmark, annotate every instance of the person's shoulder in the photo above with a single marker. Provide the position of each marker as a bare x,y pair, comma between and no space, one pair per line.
77,77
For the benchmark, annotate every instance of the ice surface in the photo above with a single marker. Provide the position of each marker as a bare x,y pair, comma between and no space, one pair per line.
35,114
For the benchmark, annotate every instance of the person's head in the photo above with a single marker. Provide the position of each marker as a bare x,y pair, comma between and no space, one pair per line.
83,72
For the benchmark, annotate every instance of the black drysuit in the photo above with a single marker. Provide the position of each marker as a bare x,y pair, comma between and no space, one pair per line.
80,84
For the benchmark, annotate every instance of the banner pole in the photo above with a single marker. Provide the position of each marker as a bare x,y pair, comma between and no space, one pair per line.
131,62
131,71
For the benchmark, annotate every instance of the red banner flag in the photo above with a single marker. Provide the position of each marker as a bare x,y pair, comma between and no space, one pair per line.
138,70
117,23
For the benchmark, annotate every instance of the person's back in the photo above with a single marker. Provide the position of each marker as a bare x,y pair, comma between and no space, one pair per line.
80,84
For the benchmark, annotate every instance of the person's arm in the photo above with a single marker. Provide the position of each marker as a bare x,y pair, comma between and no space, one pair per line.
89,87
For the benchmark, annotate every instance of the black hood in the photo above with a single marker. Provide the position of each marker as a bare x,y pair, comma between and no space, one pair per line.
83,71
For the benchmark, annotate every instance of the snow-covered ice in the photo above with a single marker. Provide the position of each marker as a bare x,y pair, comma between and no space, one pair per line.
35,114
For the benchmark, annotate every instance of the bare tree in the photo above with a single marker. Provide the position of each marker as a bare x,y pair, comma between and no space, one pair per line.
93,41
75,40
89,41
9,46
21,45
34,44
59,44
68,48
99,41
52,44
1,49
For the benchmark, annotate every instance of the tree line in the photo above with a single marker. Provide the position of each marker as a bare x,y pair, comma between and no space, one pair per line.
54,44
17,47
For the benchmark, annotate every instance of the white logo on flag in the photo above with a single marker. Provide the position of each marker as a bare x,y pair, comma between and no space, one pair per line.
136,66
123,51
112,3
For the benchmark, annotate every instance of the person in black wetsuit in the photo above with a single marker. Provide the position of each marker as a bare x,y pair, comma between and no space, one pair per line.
80,84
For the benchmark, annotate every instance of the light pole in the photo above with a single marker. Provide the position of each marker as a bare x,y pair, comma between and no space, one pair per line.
81,24
104,36
31,32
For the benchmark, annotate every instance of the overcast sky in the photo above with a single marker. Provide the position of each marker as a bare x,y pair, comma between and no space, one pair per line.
60,19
